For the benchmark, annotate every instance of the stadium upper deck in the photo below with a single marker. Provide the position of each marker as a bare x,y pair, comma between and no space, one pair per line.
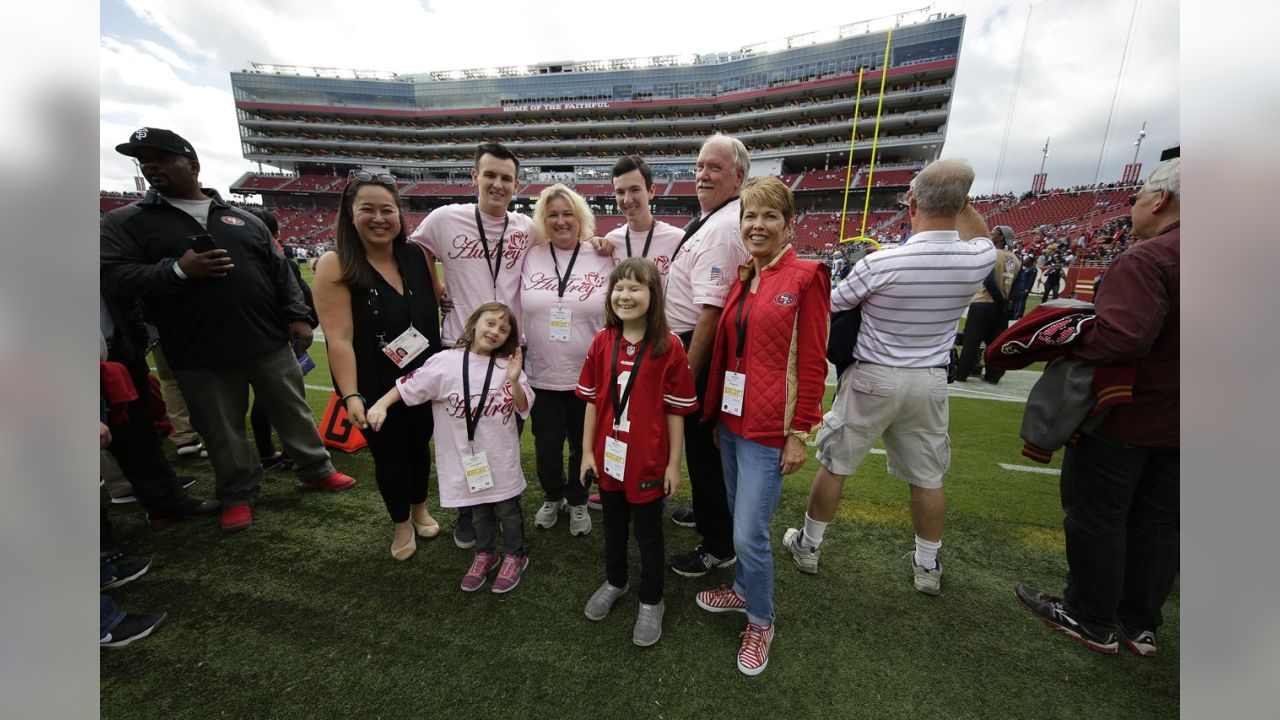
789,102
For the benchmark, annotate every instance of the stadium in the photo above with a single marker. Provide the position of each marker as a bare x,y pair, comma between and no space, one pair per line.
300,619
791,103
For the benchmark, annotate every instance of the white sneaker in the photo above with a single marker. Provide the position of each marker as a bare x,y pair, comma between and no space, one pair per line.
579,520
602,600
926,581
548,514
806,560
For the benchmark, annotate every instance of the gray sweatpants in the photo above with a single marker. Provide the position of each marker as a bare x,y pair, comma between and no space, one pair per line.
218,399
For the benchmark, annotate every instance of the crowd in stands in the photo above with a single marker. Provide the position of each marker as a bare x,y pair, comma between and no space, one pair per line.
1083,224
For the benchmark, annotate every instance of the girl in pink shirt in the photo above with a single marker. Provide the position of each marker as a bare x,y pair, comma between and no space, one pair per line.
477,447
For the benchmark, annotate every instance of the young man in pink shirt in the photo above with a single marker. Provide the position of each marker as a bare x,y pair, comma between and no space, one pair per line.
481,244
482,247
643,235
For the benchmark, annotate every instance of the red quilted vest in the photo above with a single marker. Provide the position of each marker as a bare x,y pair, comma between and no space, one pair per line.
785,364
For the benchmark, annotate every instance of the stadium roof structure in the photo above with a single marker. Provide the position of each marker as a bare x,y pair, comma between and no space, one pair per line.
790,101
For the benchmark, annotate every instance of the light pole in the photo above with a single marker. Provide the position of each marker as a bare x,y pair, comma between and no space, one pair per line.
1044,155
1137,145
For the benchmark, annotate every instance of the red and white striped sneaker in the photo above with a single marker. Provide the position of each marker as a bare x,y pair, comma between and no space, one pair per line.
721,599
753,656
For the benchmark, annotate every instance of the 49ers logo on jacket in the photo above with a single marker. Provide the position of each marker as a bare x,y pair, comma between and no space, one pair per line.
785,299
232,220
1059,332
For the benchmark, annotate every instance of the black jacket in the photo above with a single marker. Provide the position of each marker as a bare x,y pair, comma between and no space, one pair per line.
202,323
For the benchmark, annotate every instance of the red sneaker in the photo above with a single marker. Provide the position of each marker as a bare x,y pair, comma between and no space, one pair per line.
721,599
335,482
237,518
753,656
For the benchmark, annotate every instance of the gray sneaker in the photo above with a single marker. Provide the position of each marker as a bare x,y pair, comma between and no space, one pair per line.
806,560
548,514
928,582
602,600
648,628
579,520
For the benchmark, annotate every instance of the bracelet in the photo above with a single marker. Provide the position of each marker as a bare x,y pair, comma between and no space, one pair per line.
801,435
348,396
177,269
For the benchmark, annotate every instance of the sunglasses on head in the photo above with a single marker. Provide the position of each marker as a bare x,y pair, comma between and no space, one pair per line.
366,176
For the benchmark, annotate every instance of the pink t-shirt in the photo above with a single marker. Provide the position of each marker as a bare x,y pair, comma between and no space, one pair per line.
553,364
450,234
439,382
665,239
705,268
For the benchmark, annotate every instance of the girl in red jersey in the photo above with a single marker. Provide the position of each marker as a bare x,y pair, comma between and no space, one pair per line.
638,389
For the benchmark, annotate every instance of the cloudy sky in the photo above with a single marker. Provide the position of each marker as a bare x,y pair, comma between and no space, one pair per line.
167,64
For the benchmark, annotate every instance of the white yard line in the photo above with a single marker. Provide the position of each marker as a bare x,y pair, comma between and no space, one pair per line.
980,395
1031,469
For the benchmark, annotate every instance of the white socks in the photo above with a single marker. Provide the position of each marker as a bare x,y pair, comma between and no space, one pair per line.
813,532
927,553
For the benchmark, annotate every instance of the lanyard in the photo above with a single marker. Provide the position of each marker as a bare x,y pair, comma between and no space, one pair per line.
620,403
648,239
696,225
563,282
375,301
484,242
474,420
740,323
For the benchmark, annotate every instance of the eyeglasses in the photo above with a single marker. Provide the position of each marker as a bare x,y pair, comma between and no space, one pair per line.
903,200
1134,197
366,176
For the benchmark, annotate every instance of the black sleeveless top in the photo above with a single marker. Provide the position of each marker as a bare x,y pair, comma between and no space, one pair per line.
380,314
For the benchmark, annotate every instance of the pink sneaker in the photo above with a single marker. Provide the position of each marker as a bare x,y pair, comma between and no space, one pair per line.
480,567
721,599
593,501
509,576
335,482
753,656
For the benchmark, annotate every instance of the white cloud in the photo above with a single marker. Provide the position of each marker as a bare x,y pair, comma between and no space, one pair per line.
1073,51
165,54
138,88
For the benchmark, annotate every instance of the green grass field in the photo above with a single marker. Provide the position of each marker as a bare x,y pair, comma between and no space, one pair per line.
307,616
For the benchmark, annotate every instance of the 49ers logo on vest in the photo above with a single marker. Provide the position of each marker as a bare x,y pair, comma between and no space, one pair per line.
785,299
1059,332
232,220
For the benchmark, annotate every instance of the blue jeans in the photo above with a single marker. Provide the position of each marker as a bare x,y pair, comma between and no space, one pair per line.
753,484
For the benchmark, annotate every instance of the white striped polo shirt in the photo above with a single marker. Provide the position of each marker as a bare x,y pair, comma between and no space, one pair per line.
912,297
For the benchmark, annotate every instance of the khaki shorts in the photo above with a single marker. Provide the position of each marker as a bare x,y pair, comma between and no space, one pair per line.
905,406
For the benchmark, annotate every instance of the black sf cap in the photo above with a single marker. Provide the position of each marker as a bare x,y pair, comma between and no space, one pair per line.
157,138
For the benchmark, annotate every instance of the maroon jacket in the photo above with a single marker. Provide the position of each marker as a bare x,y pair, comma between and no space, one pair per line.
1136,321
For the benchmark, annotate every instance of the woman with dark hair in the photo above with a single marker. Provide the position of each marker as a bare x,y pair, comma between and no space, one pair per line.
377,298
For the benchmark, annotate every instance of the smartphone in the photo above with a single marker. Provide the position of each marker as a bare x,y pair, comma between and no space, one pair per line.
306,363
201,243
